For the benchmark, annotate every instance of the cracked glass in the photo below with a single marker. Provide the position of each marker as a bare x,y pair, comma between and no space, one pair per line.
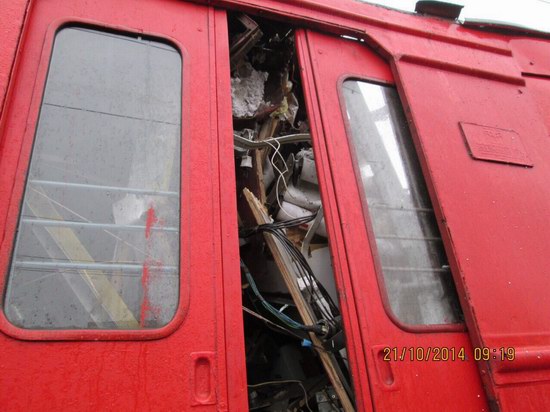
97,246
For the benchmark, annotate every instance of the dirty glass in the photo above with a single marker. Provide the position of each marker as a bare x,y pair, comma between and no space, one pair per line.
97,245
413,262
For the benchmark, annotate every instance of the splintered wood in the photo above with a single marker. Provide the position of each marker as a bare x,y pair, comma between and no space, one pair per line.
284,264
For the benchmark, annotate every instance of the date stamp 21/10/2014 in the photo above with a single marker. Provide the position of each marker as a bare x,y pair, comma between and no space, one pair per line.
445,354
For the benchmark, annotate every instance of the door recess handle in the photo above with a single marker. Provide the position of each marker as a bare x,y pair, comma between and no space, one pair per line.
384,368
203,382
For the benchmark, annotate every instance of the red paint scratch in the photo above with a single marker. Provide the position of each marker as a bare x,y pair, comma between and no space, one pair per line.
150,267
145,304
146,277
151,220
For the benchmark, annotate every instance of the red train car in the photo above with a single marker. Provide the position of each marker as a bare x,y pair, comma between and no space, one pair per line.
272,205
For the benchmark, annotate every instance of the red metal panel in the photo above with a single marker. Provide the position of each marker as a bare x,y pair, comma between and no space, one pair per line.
539,89
352,16
22,111
348,304
11,21
401,385
229,316
532,55
136,374
395,33
496,218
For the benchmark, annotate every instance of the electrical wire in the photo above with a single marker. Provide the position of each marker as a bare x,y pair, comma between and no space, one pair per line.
268,322
244,143
287,331
281,173
268,383
305,272
251,144
314,287
276,229
280,315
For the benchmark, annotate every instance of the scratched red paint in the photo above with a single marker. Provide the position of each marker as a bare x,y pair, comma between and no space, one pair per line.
145,304
150,222
147,276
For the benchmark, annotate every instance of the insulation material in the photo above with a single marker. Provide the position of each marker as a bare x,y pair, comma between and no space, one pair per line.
247,91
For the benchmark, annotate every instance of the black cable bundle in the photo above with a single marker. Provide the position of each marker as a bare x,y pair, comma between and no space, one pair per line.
276,229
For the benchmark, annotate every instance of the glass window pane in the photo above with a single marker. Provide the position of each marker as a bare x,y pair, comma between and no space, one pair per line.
98,240
413,261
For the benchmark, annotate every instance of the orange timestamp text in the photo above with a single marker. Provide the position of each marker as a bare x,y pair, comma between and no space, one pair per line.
445,353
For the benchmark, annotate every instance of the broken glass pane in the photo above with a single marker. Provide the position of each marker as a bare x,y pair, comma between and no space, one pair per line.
98,240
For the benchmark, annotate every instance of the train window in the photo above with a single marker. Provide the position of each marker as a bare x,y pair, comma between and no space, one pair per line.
416,275
97,245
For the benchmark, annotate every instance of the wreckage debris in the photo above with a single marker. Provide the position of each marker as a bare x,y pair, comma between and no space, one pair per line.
247,90
295,346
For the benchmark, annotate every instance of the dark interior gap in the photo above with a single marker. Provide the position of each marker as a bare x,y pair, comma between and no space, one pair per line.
287,353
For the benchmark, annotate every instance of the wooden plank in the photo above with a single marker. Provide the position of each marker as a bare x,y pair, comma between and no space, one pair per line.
71,246
259,172
306,313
